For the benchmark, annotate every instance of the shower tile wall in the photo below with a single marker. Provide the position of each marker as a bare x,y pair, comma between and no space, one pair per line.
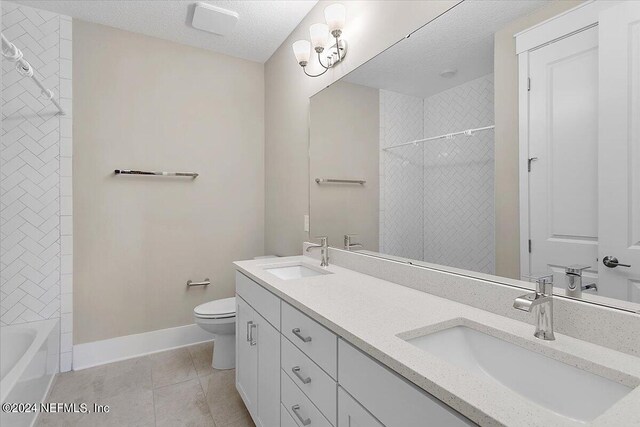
36,254
401,176
458,178
445,185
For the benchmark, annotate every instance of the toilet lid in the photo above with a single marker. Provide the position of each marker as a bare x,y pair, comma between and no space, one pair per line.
219,308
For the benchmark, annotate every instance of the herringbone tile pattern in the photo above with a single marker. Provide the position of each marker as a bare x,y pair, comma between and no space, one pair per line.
29,172
458,178
401,176
436,198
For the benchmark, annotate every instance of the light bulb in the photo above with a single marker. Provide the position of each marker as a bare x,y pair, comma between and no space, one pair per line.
319,35
302,51
335,17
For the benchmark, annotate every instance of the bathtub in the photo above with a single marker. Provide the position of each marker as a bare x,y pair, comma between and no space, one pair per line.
29,359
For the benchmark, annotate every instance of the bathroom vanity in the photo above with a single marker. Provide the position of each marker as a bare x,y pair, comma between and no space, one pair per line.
334,347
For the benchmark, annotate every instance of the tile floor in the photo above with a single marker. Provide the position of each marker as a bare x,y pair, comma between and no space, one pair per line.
172,388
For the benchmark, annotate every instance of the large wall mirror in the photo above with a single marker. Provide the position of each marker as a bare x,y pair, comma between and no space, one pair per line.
502,139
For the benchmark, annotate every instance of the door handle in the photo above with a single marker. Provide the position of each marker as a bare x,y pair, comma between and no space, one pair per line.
296,332
252,341
296,371
612,262
304,421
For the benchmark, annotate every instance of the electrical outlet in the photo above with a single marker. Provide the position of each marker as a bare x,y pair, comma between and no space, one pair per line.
306,223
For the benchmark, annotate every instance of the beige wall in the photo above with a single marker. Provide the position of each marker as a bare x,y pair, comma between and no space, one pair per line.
371,27
344,134
145,103
506,148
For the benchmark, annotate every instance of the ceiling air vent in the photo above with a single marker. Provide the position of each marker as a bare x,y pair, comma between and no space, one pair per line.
213,19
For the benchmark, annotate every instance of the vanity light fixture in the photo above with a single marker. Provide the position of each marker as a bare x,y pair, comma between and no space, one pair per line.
335,16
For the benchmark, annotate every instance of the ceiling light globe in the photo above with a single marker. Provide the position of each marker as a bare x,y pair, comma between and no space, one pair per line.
302,51
319,36
335,16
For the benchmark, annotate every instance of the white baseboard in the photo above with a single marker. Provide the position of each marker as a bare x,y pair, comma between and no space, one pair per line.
129,346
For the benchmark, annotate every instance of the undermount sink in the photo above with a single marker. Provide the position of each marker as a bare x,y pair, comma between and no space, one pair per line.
295,271
564,389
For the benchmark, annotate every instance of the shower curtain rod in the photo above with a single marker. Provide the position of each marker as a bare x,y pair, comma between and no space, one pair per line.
467,132
11,53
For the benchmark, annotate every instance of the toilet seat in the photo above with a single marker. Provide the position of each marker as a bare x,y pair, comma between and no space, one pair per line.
218,309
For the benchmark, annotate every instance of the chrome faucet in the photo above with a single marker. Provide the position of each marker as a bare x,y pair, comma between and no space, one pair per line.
324,250
574,280
542,301
347,242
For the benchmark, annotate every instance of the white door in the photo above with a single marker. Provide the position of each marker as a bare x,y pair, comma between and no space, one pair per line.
563,146
268,339
246,355
619,152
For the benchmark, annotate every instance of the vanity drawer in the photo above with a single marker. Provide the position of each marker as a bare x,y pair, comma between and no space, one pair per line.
301,409
313,381
389,397
285,418
262,301
316,341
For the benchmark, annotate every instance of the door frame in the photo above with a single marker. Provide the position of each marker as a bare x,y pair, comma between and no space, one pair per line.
577,19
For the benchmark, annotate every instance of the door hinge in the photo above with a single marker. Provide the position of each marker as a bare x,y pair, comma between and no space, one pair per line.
529,245
528,84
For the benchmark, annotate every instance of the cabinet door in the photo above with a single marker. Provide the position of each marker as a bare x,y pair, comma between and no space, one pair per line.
352,414
246,355
268,339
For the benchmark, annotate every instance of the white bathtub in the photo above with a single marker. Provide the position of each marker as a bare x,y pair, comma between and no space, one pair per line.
29,359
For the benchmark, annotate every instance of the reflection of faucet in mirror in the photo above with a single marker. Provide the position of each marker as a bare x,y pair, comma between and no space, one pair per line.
543,299
347,242
324,250
574,280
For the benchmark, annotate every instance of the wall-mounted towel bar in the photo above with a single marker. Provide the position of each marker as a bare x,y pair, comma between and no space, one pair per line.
340,181
132,172
206,282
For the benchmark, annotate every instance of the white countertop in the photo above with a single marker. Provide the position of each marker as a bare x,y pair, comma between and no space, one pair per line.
370,313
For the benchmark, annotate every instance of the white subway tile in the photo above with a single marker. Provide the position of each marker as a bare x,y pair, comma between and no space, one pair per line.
66,342
65,68
66,283
66,245
65,361
66,303
66,205
66,264
66,166
66,323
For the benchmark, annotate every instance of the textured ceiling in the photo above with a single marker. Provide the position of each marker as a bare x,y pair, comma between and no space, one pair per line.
261,29
460,39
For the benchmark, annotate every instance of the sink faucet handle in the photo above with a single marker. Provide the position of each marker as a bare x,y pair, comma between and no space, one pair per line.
576,269
323,239
544,282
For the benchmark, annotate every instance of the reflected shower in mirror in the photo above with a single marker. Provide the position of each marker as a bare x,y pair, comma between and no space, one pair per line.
477,145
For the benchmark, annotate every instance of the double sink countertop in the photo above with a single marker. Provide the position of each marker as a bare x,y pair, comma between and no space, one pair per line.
371,313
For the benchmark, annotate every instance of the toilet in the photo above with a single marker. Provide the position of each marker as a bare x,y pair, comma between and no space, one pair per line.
219,318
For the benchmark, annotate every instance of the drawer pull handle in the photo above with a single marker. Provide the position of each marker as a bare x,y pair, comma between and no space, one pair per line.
296,332
252,340
296,371
248,327
304,421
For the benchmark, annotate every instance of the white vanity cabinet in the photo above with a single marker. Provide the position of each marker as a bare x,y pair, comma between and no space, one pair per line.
391,399
258,359
292,371
352,414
